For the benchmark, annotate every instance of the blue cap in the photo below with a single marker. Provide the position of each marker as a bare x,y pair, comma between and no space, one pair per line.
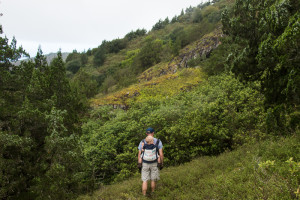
149,130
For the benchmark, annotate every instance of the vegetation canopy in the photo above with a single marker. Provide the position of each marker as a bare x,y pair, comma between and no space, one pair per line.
219,83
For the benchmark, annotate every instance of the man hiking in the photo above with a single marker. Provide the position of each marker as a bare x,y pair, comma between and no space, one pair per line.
148,160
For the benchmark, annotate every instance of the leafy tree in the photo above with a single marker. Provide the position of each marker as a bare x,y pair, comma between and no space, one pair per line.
61,163
108,83
40,60
73,56
73,66
174,19
84,58
149,54
197,16
76,60
99,56
9,80
85,84
115,45
189,9
159,25
35,103
135,34
261,28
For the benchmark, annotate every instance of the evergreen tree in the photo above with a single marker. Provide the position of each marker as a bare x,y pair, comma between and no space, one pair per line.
38,123
261,28
99,56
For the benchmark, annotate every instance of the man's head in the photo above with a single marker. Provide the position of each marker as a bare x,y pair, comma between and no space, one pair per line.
150,131
149,139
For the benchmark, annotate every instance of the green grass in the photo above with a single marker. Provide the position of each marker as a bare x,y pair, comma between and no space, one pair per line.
239,174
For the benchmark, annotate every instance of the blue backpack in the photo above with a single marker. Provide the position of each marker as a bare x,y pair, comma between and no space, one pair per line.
151,152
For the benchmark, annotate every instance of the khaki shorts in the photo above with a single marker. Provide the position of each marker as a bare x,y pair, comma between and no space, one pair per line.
150,172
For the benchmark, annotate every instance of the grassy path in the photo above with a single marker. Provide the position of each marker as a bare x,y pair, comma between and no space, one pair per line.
237,174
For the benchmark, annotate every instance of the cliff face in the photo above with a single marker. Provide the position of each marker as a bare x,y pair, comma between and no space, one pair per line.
203,48
200,48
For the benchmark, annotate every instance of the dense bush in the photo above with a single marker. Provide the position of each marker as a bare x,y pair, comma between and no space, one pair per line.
40,154
75,61
148,55
161,24
85,84
115,45
218,115
99,56
135,34
264,30
73,66
265,170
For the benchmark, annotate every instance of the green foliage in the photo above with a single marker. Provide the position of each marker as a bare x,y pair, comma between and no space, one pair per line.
39,150
63,176
214,16
264,29
115,45
85,84
161,24
45,155
107,47
217,61
14,164
197,16
99,57
75,61
73,66
149,54
220,114
108,83
257,171
135,34
281,71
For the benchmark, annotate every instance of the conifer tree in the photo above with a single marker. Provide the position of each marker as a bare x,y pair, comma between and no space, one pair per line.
39,151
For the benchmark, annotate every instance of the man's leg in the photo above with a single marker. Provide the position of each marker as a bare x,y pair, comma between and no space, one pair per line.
144,187
153,184
145,177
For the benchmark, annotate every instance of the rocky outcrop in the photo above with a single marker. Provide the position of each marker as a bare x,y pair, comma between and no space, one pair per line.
166,70
201,48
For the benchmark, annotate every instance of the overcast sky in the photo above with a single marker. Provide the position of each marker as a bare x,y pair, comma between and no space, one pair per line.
81,24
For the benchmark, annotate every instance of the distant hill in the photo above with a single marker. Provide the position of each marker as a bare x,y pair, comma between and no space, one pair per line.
49,57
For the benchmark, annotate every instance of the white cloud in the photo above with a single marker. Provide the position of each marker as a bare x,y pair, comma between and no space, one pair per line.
81,24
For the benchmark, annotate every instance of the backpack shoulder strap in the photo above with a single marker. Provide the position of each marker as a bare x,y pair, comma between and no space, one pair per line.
156,144
143,143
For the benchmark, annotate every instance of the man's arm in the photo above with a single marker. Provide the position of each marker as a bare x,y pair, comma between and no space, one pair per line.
161,155
140,147
139,155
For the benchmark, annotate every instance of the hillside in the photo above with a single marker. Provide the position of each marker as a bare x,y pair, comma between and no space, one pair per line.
219,83
168,75
266,170
121,68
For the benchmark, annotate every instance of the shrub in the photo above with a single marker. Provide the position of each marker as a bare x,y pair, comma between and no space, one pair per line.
99,57
218,115
149,54
73,66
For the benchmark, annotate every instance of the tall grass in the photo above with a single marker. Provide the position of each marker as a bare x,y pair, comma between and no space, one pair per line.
254,171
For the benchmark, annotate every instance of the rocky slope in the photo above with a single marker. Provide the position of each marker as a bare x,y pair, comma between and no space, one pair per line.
165,73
